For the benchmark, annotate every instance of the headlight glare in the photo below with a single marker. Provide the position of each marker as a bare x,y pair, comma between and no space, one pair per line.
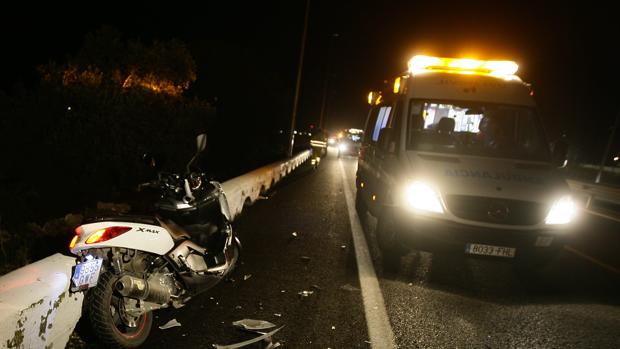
562,211
422,197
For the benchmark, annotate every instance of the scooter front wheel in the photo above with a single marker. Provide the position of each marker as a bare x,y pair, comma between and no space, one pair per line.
108,318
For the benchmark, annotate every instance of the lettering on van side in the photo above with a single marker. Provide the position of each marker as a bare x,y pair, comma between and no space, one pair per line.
498,176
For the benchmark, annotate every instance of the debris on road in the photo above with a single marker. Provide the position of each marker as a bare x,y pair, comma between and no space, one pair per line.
170,324
253,325
294,234
343,246
238,307
316,287
333,327
277,315
305,293
305,258
349,288
265,337
245,277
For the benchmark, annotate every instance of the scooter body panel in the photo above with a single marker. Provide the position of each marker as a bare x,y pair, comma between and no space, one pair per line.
143,237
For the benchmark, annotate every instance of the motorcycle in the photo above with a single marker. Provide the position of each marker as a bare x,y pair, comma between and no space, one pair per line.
128,265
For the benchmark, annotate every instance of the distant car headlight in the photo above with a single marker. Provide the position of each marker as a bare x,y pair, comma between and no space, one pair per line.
562,211
342,147
331,141
420,196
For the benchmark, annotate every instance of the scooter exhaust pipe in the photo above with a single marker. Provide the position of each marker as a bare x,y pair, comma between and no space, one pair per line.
148,291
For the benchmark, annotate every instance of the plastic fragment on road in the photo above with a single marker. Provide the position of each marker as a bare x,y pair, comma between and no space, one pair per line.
170,324
245,277
349,288
277,315
305,293
343,246
333,327
267,336
294,234
316,287
253,325
305,258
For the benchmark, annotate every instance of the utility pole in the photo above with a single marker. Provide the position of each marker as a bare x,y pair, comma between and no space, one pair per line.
299,70
326,81
607,150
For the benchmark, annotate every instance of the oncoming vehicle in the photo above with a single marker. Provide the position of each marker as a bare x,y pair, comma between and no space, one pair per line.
456,160
349,141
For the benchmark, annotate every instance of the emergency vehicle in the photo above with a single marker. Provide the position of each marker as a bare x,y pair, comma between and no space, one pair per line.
455,159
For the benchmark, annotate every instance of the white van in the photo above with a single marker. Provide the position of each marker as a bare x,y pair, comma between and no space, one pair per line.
456,160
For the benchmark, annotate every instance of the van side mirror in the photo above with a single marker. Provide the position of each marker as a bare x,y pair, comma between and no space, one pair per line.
559,154
386,141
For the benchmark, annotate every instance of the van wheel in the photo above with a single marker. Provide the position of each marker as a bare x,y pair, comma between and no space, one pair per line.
360,205
391,250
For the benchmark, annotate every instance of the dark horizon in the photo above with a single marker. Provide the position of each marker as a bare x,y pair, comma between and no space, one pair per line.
566,52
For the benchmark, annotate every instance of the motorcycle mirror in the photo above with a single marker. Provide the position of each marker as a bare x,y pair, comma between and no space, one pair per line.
201,142
201,145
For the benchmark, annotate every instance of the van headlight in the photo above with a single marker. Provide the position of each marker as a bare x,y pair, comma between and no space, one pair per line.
562,211
421,196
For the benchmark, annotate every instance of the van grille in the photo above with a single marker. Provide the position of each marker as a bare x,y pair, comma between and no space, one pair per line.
496,210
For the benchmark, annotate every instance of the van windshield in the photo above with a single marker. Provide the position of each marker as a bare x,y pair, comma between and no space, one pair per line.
481,129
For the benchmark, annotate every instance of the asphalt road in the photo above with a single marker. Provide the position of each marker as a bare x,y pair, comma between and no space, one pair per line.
433,302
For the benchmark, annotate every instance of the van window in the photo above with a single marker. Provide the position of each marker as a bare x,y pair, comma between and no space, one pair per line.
481,129
382,121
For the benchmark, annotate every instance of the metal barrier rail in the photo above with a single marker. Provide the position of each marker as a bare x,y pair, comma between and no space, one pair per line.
38,311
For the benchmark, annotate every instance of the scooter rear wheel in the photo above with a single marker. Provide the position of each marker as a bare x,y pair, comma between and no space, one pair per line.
108,319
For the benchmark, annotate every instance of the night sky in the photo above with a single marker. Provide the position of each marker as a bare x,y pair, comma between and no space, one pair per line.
249,49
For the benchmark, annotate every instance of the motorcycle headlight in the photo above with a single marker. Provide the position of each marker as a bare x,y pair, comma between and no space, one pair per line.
562,211
421,196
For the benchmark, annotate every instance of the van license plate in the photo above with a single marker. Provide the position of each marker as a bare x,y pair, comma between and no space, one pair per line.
489,250
86,274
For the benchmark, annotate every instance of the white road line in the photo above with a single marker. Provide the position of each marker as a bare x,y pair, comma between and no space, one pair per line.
379,329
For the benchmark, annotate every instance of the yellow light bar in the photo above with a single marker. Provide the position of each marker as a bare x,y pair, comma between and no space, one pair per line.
419,64
374,98
397,85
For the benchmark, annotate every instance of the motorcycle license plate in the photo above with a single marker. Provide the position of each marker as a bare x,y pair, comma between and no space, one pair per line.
86,274
488,250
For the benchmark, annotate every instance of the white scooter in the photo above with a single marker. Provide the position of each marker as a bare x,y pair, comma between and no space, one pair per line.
131,265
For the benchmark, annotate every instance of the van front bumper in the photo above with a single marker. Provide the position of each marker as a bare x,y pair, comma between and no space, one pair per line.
439,235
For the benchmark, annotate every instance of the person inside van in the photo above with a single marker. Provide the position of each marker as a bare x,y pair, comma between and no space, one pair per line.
491,134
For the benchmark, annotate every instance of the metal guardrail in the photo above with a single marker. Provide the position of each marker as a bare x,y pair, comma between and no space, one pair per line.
589,193
38,311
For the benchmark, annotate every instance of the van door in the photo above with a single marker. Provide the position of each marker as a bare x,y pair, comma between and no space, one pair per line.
369,164
386,158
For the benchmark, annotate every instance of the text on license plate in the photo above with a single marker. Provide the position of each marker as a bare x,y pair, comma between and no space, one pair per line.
489,250
86,274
